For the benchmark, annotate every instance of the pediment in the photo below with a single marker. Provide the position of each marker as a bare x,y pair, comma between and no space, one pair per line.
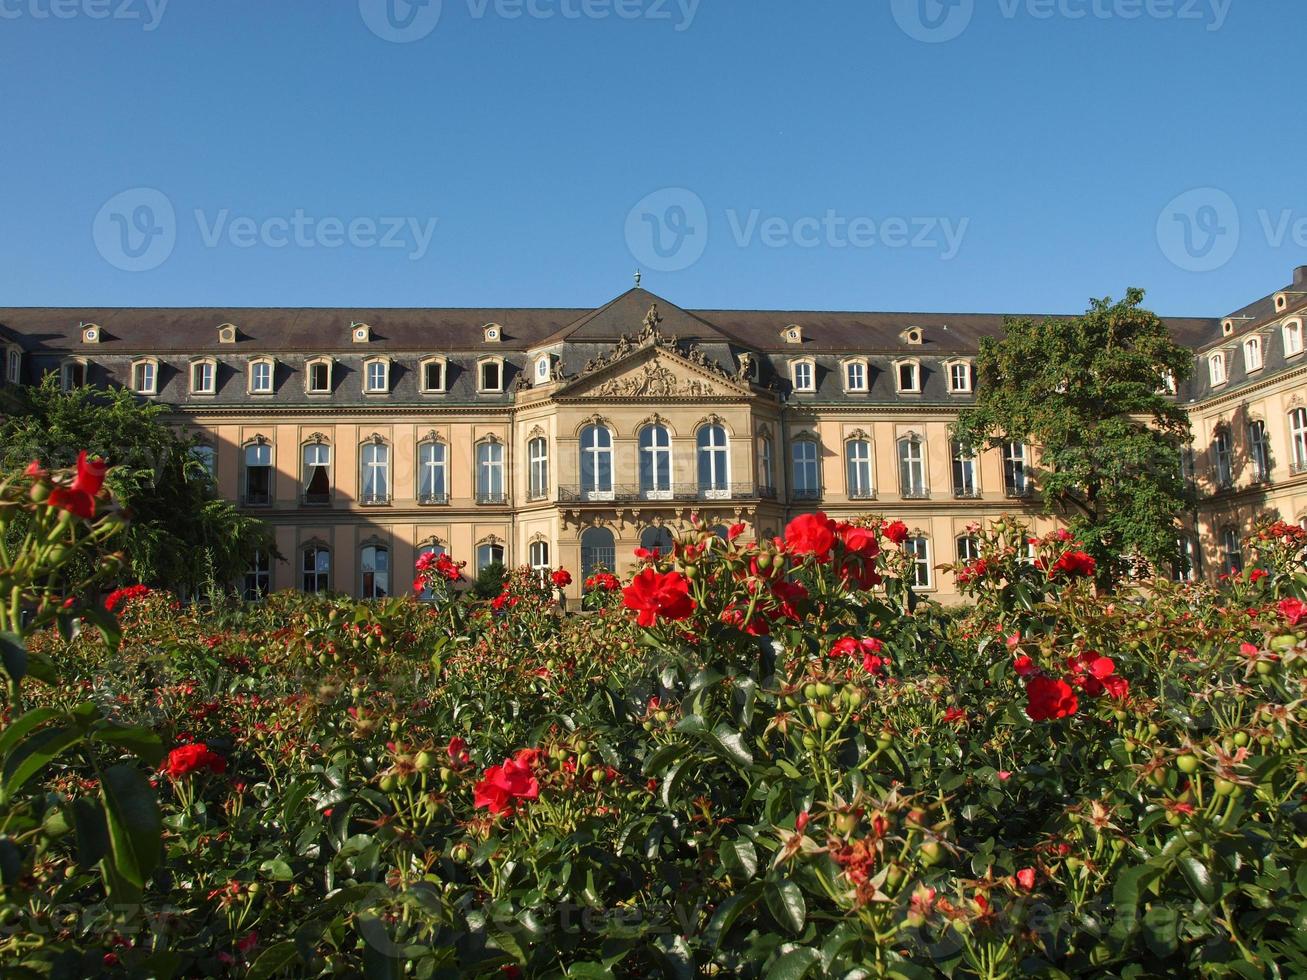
654,372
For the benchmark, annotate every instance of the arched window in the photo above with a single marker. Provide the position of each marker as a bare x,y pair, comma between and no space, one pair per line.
432,485
490,473
766,467
490,375
1222,458
538,554
596,463
964,471
1216,369
1298,438
374,476
73,374
429,549
258,474
959,377
433,375
1293,338
855,375
490,553
657,539
317,376
807,470
803,375
145,377
261,376
204,377
537,451
1016,478
912,468
14,367
714,462
1252,354
1231,550
655,463
857,453
376,376
1259,447
317,473
258,580
908,376
968,548
598,551
375,571
316,566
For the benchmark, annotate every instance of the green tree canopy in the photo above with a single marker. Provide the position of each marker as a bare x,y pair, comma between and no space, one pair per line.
1089,394
182,536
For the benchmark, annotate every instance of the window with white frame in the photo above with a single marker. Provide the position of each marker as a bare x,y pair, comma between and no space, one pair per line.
1216,368
714,461
655,463
13,366
1168,383
73,375
596,462
206,456
907,374
374,476
490,375
261,375
1223,458
964,470
490,473
537,451
317,473
1259,448
374,572
959,377
1298,438
1231,551
912,468
489,554
855,376
1252,354
1292,338
258,474
433,375
542,370
1016,473
258,579
204,378
1185,568
806,478
538,556
315,565
857,454
145,377
377,376
317,378
968,548
766,464
803,375
919,548
432,485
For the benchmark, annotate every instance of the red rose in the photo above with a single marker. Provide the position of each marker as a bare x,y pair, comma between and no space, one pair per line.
896,531
79,498
457,752
858,541
562,578
502,786
1025,879
734,531
187,759
1074,564
653,594
120,597
1047,699
1293,610
811,534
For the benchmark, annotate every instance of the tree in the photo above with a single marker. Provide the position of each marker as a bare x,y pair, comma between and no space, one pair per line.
182,536
490,581
1089,392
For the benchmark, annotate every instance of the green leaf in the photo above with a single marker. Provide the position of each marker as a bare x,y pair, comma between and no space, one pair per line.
786,903
1199,877
35,752
739,857
135,828
1161,930
92,831
794,965
732,745
14,654
23,724
273,960
141,741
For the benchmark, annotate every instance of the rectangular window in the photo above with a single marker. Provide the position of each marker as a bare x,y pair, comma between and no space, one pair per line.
538,458
258,580
858,464
968,548
1216,368
376,377
1252,354
489,554
807,472
144,377
490,473
1223,459
1016,480
1292,338
317,474
203,381
74,375
492,376
1260,449
855,376
908,379
13,369
912,469
376,474
320,377
431,474
258,474
261,377
317,570
803,377
433,376
959,377
919,549
964,472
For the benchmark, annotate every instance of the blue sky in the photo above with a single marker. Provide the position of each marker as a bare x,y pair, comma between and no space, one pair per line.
987,155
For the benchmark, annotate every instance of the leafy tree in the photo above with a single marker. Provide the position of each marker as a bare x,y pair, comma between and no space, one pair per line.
182,536
490,581
1088,392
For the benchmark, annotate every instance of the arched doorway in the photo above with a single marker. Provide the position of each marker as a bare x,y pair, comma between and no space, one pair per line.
598,550
657,539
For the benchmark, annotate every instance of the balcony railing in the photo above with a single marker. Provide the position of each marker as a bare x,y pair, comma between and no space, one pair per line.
258,498
767,493
1298,466
491,497
805,494
915,493
862,493
433,498
1018,492
634,494
374,498
316,499
966,493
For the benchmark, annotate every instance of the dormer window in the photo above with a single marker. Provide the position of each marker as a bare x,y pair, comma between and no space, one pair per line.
360,333
261,376
204,377
317,376
803,375
907,375
855,375
1216,368
145,376
793,334
542,370
13,366
1227,327
433,375
1168,383
1292,338
90,333
490,375
73,375
494,333
227,333
1252,354
376,376
913,336
959,377
1281,301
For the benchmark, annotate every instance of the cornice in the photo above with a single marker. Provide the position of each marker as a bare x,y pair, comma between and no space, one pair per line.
1244,390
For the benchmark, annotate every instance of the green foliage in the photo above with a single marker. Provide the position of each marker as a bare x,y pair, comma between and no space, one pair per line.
182,535
490,581
1086,393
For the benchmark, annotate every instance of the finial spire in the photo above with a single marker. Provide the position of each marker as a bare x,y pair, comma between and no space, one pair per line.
637,278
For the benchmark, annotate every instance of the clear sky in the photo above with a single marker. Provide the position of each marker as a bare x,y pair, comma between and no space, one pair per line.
967,155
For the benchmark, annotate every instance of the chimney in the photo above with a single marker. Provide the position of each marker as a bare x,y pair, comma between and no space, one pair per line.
1300,276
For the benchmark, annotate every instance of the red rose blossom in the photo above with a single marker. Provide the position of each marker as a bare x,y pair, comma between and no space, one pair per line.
811,534
501,787
653,594
562,578
1047,699
896,531
187,759
79,498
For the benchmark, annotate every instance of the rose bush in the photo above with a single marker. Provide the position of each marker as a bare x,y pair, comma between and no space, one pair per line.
759,759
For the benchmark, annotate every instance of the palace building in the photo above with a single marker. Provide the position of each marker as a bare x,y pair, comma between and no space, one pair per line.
568,437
